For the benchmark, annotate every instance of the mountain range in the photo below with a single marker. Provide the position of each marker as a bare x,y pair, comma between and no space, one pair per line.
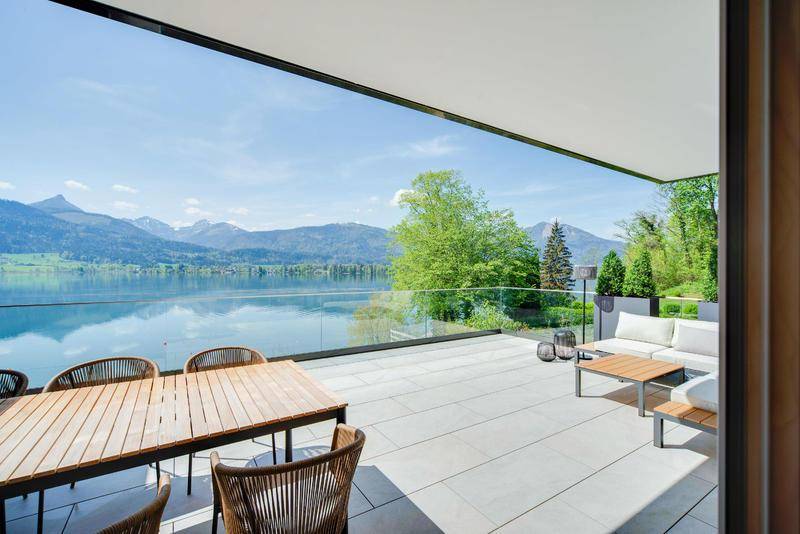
56,225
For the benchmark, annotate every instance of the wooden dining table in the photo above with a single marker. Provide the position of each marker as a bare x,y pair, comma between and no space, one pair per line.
56,438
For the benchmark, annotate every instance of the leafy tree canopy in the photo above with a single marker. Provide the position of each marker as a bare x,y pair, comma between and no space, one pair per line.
611,277
679,233
449,238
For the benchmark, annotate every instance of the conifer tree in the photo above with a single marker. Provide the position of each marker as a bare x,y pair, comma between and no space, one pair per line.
556,267
611,276
639,277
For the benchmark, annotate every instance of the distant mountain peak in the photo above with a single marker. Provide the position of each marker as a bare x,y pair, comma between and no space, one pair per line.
586,247
56,204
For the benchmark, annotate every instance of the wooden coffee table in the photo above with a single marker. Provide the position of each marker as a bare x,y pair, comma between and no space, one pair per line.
627,368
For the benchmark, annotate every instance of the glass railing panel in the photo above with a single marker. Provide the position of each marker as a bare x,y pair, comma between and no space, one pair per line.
678,307
539,314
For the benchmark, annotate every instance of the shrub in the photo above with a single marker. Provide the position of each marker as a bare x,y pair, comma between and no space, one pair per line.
639,277
487,317
611,277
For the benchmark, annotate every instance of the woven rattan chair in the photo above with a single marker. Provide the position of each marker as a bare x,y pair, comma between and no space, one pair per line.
12,384
148,519
308,496
221,358
104,371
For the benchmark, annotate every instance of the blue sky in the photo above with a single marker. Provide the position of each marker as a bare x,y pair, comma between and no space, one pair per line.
127,122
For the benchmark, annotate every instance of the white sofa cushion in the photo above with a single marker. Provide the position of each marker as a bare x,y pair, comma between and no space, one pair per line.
701,337
628,346
644,328
701,392
692,360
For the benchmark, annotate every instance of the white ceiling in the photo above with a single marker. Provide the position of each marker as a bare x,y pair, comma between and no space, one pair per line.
629,83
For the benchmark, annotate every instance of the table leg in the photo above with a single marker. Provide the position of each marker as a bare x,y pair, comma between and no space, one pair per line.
341,416
577,381
40,515
640,391
189,476
288,452
658,431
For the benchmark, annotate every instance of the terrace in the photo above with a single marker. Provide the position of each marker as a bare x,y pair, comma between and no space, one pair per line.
468,435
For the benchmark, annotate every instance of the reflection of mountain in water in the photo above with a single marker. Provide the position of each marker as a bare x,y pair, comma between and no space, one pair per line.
58,321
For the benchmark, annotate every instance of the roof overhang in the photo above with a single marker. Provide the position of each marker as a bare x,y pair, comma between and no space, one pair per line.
629,84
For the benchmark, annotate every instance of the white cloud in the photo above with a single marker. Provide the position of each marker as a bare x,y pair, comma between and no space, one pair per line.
121,205
239,211
124,189
73,184
310,215
180,224
191,201
374,199
398,195
438,146
6,185
191,210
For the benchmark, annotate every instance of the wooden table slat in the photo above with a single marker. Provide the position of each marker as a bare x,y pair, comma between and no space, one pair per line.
20,415
290,374
54,434
253,413
263,404
94,451
152,421
267,390
210,410
237,408
166,425
16,449
267,378
10,408
133,438
326,396
284,377
199,427
226,417
116,440
183,422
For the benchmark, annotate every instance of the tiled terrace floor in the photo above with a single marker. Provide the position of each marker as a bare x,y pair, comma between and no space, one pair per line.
473,435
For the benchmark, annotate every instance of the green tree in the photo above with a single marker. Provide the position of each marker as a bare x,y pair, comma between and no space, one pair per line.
556,268
639,277
611,277
711,282
449,238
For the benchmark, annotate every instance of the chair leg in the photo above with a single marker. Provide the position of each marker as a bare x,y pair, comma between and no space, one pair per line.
215,517
71,485
158,472
274,452
189,476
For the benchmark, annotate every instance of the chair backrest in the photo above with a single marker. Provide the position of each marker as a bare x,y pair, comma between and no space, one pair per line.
309,495
222,357
104,371
12,383
148,519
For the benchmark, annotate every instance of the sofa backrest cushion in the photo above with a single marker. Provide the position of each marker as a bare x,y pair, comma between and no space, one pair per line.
709,325
643,328
699,337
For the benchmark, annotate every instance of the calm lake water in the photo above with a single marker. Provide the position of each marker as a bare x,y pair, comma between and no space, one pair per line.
175,316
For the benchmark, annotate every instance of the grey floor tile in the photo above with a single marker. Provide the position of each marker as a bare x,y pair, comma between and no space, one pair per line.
707,510
392,475
504,402
509,432
373,412
433,509
513,484
438,396
53,522
384,390
393,373
418,427
647,496
553,516
338,383
690,525
687,451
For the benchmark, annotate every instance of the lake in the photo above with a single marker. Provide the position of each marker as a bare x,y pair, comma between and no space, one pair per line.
169,317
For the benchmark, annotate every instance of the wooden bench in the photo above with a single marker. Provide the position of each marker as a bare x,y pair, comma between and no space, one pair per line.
683,414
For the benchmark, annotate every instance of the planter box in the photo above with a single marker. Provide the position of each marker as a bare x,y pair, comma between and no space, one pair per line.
606,312
708,311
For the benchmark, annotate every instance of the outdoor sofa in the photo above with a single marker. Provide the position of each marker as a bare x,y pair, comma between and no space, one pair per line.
693,344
